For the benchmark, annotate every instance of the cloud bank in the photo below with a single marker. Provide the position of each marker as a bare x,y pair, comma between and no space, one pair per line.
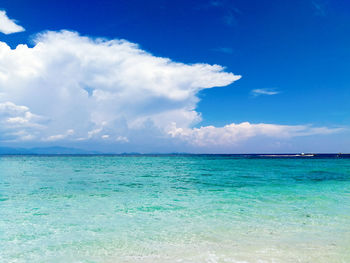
7,25
72,88
233,133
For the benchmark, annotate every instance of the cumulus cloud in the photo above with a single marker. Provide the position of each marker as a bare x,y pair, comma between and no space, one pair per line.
258,92
7,25
18,123
233,133
100,88
71,88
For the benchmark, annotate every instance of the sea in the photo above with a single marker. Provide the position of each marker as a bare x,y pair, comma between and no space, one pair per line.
174,208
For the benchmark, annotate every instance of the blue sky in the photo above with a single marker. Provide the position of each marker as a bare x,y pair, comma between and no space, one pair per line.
293,58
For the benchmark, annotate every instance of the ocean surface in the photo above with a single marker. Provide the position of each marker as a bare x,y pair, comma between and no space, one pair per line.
202,209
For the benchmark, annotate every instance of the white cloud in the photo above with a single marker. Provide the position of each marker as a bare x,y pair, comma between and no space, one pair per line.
98,87
233,133
122,139
70,88
258,92
18,123
59,137
7,25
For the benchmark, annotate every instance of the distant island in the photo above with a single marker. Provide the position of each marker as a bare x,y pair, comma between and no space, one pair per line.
54,150
59,150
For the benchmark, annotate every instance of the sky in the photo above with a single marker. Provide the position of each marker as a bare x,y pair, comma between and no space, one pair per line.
214,76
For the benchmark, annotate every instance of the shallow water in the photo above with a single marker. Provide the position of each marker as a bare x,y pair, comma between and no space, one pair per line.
174,209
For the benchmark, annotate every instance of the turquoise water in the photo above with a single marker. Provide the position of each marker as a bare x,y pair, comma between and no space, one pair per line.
174,209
